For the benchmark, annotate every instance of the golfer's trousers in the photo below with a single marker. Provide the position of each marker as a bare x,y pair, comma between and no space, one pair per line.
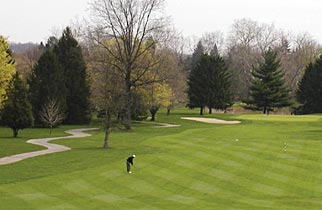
128,166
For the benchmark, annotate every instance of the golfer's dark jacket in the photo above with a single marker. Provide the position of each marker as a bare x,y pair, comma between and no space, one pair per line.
130,160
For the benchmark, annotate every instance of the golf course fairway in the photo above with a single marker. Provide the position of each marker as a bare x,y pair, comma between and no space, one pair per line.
265,162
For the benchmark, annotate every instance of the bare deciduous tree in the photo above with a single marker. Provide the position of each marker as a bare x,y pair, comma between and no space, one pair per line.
213,41
51,114
136,27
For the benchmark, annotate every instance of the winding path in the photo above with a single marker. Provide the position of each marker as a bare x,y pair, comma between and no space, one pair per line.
51,148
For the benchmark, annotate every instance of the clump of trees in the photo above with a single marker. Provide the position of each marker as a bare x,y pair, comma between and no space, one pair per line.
60,76
129,33
209,82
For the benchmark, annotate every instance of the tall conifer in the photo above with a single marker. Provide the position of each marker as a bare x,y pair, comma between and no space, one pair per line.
268,89
17,112
71,58
309,92
47,82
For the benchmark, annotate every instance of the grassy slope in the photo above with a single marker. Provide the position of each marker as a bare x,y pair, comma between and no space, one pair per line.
11,146
195,166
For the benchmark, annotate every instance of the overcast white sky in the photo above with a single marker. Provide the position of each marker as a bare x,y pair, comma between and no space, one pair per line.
34,20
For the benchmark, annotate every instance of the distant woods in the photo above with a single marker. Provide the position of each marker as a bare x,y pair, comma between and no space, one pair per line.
127,62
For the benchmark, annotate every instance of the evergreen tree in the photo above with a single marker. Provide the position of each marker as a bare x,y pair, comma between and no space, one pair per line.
47,83
219,90
268,90
309,92
197,54
17,112
209,84
71,58
197,85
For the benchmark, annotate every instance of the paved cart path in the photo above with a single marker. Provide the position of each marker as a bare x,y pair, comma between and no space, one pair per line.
51,148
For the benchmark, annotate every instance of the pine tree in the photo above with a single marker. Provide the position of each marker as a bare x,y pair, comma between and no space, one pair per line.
209,84
197,85
71,58
219,95
197,54
268,90
309,92
47,83
17,112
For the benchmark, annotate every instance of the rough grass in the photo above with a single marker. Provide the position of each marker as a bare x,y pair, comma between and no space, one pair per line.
195,166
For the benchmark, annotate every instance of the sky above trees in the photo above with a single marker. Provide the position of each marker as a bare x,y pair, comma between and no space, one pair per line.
36,20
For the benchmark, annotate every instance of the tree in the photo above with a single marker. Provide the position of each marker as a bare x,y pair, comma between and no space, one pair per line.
309,92
25,60
156,95
198,52
209,84
17,112
51,114
47,81
135,27
213,43
70,57
106,89
219,96
248,40
7,69
268,90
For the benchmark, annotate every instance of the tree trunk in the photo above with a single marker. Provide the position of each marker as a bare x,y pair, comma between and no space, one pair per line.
15,132
128,105
201,110
168,111
264,110
50,129
153,115
107,128
153,112
210,110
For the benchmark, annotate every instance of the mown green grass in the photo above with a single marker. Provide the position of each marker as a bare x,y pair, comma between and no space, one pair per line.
195,166
10,145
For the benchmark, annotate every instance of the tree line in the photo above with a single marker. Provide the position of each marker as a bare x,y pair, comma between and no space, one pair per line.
127,61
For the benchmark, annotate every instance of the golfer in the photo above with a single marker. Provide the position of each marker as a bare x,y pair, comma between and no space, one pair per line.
129,162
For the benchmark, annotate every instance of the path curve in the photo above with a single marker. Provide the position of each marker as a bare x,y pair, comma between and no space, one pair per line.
51,148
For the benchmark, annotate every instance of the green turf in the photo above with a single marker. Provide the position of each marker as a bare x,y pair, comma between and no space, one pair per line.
195,166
